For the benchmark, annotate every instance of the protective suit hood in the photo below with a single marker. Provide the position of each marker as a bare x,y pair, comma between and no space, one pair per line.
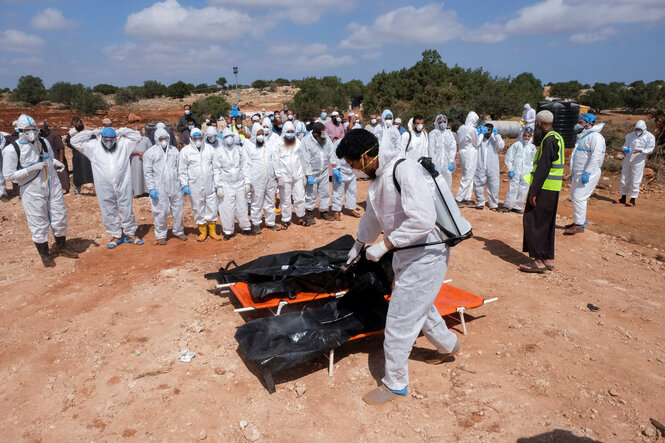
211,131
641,125
441,118
385,113
161,132
227,132
288,126
267,127
472,119
196,132
24,121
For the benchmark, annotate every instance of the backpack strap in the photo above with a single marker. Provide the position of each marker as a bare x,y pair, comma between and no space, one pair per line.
406,149
397,186
18,155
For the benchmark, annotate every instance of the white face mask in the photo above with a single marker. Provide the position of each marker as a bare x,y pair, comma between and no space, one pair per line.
419,127
212,139
373,121
228,141
163,143
388,123
290,117
259,138
30,135
187,111
197,143
339,119
108,144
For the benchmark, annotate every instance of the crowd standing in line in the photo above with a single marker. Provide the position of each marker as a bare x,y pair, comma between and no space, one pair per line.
282,165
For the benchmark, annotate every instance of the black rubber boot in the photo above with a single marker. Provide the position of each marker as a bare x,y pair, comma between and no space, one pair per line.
61,247
308,220
256,230
47,260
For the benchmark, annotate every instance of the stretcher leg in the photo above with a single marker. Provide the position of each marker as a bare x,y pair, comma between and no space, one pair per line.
461,310
281,304
270,383
331,362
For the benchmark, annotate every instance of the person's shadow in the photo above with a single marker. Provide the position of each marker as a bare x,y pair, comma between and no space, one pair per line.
503,251
80,245
557,436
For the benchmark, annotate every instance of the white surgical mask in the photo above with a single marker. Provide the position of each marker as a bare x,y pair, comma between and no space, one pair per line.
198,143
187,111
419,127
108,145
259,138
339,119
290,117
228,141
30,135
373,121
207,121
578,128
267,129
388,123
324,115
163,143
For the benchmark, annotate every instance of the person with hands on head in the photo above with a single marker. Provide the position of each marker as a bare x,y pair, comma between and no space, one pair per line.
318,153
30,162
519,162
407,219
109,153
545,181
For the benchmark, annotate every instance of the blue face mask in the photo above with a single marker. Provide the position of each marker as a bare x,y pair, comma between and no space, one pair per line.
289,135
191,127
324,115
272,119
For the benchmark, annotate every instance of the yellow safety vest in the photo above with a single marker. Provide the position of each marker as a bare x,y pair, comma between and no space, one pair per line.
555,177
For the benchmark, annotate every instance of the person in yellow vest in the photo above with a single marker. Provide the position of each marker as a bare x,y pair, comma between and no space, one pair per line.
543,197
240,129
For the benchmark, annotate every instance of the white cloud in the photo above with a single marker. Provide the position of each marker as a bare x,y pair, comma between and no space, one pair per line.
167,58
19,41
51,20
592,37
298,12
487,33
314,48
371,55
559,16
320,62
427,25
169,21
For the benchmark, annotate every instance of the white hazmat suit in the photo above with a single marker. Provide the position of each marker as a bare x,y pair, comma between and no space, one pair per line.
443,148
259,172
468,141
317,159
390,139
195,171
417,143
230,184
408,218
290,174
112,176
345,192
519,161
160,168
587,157
633,162
487,171
39,186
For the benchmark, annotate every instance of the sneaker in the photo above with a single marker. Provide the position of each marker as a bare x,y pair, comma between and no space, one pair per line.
503,209
161,241
256,230
517,211
326,215
574,229
274,228
182,237
480,207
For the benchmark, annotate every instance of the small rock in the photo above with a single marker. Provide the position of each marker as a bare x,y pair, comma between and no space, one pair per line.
622,401
291,387
621,254
137,352
220,371
203,435
649,431
251,434
243,424
300,390
613,393
133,118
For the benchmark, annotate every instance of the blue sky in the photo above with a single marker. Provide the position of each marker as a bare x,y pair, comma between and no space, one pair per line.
124,42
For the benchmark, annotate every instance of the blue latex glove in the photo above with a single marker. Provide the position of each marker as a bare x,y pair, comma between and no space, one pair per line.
494,131
451,166
310,181
337,175
627,151
186,190
153,194
479,130
511,174
585,178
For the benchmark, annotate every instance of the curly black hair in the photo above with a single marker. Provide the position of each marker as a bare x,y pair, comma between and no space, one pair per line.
356,142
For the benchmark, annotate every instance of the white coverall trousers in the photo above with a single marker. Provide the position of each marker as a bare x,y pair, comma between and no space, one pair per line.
320,188
412,310
580,193
44,206
204,205
469,162
233,205
516,193
116,203
347,188
486,177
161,208
632,170
263,201
295,189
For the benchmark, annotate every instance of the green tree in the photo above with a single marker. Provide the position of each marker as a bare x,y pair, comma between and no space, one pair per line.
29,89
179,89
87,102
281,82
105,89
260,84
314,94
125,96
569,89
603,96
65,93
214,105
153,88
221,82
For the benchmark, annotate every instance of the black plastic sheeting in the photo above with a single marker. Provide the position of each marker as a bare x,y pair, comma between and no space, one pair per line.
284,341
288,273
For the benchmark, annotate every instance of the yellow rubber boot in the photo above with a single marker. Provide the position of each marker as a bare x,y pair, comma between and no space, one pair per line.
212,231
203,229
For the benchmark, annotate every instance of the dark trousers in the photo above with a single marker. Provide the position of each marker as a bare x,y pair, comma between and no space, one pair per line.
539,223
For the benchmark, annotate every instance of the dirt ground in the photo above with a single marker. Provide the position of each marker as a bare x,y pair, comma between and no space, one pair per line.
89,349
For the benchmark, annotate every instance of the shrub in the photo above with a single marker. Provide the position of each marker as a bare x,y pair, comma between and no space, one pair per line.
65,93
125,96
105,89
214,105
152,88
87,102
612,164
29,89
260,84
179,89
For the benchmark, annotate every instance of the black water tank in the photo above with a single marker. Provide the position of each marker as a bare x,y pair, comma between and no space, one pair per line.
566,115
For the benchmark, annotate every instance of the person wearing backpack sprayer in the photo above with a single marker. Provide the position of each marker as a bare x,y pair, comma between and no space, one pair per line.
406,218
